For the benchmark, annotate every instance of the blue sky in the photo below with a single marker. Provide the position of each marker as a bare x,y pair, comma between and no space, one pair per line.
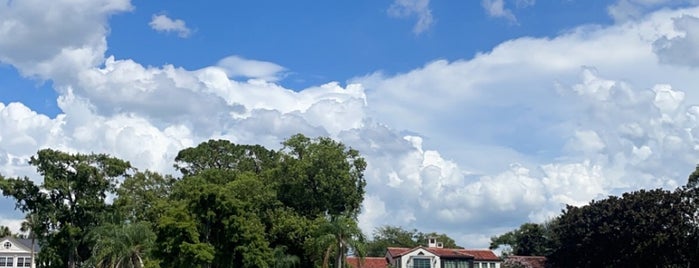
474,116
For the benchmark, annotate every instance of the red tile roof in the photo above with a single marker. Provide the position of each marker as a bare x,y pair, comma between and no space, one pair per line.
449,252
527,261
369,262
481,254
476,254
394,252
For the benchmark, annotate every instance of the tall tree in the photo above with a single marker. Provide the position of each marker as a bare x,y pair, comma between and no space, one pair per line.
68,203
121,245
395,236
224,155
530,239
321,176
639,229
141,197
335,236
29,226
5,231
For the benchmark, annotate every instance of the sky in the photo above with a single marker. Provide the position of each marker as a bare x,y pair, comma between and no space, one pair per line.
474,116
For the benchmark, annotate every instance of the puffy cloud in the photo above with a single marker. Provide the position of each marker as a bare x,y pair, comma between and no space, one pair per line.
65,40
419,8
510,135
680,49
236,66
496,8
163,23
624,10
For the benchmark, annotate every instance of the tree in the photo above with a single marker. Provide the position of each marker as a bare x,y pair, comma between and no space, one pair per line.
28,226
121,245
640,229
321,176
335,236
530,239
284,260
224,155
5,231
141,197
68,203
395,236
215,224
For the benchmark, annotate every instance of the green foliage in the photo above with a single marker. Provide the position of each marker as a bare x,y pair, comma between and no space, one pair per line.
69,203
321,176
394,236
5,231
640,229
530,239
224,155
141,197
333,237
234,206
121,245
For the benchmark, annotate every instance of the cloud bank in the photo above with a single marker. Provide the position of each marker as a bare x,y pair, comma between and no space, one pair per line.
472,147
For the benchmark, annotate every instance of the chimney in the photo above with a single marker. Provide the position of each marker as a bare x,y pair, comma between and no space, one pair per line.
432,242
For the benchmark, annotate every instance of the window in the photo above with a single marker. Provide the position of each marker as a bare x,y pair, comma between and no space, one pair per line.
27,262
10,261
3,261
20,262
492,265
421,263
455,264
7,245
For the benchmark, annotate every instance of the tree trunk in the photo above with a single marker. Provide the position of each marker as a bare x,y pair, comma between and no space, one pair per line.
32,265
340,253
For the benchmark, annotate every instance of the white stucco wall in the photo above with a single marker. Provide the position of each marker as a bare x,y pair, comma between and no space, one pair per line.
407,259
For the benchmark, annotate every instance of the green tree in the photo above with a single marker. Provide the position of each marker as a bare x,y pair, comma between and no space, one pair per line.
530,239
284,260
217,225
321,176
334,237
68,203
5,231
121,245
639,229
395,236
224,155
28,226
141,197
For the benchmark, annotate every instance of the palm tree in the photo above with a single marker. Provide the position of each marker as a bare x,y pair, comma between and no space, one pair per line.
121,245
283,260
336,236
28,226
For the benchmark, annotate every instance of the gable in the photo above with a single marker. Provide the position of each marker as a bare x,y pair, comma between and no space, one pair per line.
12,245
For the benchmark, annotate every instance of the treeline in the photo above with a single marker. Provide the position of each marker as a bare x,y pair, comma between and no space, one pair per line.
233,206
645,228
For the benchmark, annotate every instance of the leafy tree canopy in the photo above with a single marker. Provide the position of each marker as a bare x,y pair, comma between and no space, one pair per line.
653,228
69,202
530,239
395,236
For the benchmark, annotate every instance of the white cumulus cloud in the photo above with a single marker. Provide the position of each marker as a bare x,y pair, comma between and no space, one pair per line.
163,23
469,147
418,8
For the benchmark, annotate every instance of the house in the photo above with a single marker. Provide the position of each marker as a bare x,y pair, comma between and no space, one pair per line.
16,252
525,261
436,256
